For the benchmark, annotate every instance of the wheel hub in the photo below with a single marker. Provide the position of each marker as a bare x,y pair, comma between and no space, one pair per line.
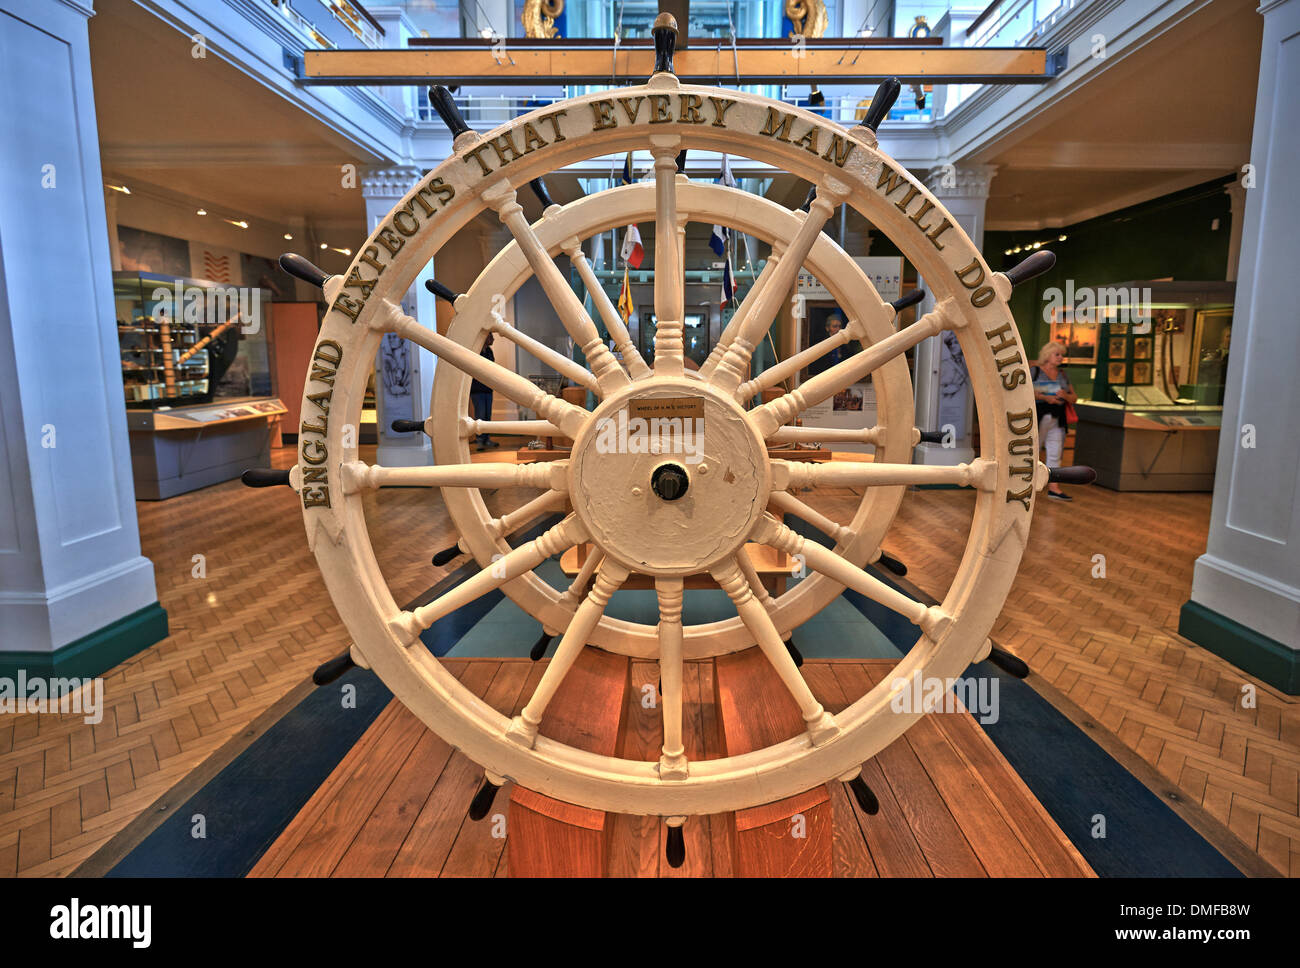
668,476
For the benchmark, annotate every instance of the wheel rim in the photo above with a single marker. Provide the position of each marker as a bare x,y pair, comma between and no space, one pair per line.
329,476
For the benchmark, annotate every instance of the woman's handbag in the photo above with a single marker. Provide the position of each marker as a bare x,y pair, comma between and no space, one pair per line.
1071,415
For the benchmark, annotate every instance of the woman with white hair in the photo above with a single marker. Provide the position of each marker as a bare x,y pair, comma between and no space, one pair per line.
1052,391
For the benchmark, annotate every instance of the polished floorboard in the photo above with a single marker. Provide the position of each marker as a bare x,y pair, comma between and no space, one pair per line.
250,619
950,804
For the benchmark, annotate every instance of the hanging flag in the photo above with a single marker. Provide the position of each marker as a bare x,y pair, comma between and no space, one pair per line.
728,284
632,252
626,177
625,306
721,234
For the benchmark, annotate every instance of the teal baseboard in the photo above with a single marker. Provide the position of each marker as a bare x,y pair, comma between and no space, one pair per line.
1248,650
93,654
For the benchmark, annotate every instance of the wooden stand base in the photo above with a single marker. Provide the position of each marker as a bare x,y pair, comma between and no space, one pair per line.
550,838
791,837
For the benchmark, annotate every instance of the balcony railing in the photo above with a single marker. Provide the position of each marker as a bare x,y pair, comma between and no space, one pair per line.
1016,23
347,23
483,112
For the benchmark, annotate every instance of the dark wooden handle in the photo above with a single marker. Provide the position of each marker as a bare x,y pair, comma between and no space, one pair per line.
932,436
808,199
665,34
407,426
862,793
1030,268
539,647
1012,665
1080,474
441,291
327,672
881,102
300,268
539,189
264,477
446,555
445,105
892,564
911,299
675,849
482,802
681,160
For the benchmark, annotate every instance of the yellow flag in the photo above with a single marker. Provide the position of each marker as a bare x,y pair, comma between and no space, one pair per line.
625,306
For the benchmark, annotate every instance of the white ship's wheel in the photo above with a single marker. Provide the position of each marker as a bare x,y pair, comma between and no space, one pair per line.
659,514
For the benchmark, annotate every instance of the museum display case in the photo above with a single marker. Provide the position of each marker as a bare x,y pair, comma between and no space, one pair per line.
196,376
190,341
1150,419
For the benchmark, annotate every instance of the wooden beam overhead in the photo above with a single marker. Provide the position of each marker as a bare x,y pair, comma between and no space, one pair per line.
822,64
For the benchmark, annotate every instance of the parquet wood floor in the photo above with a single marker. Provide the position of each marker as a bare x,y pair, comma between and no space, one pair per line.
260,621
950,804
241,638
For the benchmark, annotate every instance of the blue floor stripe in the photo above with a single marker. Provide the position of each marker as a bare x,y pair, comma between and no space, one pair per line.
249,803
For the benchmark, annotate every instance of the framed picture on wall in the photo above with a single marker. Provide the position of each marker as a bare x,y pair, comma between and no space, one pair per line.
1078,336
1115,372
1142,347
1117,348
1141,374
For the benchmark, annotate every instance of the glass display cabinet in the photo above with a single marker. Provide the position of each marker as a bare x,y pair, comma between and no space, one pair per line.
1150,420
196,376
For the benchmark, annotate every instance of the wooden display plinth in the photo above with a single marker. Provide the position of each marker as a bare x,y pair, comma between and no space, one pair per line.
791,837
551,838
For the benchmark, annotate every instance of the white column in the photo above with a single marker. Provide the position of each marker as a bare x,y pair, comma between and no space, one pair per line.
1245,603
943,393
76,596
403,371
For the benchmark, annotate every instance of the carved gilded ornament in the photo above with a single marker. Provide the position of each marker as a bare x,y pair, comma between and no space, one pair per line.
539,18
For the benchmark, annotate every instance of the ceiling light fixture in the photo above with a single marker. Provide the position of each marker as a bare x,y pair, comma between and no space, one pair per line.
119,188
202,211
288,237
238,223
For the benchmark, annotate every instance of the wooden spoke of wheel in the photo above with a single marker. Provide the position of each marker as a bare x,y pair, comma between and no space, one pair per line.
578,587
933,621
556,361
820,724
825,385
523,729
469,427
734,364
511,522
609,375
569,418
526,557
672,762
746,306
786,502
632,359
827,435
360,476
670,279
784,369
980,474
